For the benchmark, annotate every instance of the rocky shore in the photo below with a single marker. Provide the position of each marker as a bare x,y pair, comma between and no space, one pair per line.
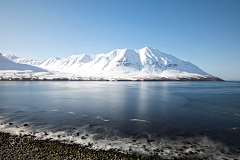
49,150
45,149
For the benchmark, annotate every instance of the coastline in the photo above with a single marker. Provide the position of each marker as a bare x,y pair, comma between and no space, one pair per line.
46,149
209,78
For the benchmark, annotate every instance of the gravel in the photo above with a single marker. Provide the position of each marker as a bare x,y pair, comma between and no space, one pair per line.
45,149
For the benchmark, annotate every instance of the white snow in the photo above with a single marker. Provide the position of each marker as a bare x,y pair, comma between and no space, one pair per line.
6,64
119,63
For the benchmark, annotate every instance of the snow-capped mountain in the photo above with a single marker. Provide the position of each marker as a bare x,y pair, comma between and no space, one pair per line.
145,62
6,64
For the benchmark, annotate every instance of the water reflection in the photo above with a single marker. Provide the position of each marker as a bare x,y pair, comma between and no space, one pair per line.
130,107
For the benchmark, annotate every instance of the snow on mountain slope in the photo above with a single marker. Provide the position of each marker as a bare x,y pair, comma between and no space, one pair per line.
6,64
144,62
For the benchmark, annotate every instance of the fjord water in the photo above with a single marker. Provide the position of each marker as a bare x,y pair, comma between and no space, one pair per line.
207,112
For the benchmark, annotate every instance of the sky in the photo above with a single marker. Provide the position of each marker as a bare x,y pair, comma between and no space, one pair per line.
204,32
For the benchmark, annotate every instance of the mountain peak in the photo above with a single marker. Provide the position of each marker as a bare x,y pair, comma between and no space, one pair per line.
147,47
10,56
139,62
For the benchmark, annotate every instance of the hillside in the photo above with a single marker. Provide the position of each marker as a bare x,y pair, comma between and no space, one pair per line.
143,63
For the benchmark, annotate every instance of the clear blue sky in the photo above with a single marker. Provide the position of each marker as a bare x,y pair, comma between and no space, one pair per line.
204,32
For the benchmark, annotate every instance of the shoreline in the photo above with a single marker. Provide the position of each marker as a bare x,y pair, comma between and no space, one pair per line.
114,79
27,146
46,149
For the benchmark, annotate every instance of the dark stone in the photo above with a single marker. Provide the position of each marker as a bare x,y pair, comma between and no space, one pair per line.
10,123
89,145
48,139
190,152
150,140
83,137
195,143
76,134
52,131
25,125
186,142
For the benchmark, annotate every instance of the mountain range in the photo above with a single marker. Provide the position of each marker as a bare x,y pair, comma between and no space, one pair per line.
147,62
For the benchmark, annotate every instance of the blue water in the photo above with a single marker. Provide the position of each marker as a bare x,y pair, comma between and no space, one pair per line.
128,109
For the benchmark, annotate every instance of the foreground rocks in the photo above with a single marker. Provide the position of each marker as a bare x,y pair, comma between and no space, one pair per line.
45,149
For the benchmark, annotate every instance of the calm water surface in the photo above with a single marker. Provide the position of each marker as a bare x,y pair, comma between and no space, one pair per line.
123,111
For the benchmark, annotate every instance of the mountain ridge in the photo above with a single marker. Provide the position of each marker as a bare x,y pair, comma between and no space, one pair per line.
144,62
6,64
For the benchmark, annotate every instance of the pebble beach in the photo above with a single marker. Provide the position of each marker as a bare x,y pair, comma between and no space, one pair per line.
45,149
